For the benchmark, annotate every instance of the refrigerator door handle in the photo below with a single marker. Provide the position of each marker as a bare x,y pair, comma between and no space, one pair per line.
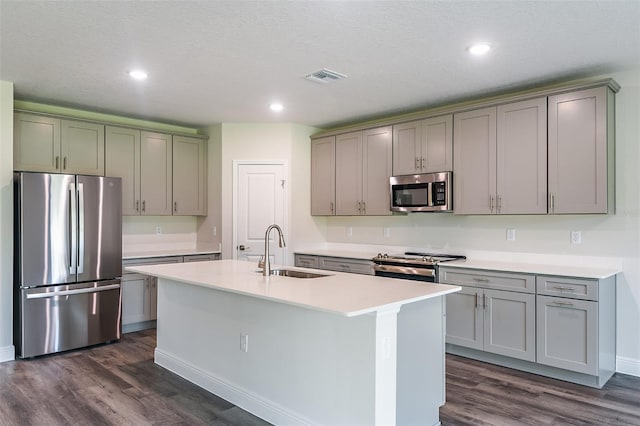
80,228
72,292
73,226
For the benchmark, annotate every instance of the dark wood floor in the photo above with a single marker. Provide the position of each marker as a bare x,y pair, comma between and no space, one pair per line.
119,384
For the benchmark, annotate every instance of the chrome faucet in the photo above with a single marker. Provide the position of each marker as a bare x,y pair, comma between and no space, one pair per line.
265,264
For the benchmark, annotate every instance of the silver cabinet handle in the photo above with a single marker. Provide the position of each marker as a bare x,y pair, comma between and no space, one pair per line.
484,301
64,163
137,205
143,205
491,203
563,288
476,301
175,206
552,202
359,207
422,163
561,303
331,206
417,163
364,208
481,280
57,161
498,203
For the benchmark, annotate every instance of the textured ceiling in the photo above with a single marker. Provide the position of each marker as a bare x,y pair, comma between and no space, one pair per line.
225,61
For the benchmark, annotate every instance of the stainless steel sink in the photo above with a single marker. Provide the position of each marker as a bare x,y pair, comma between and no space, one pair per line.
296,274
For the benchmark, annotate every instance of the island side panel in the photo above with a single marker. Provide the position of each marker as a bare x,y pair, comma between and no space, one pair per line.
421,362
302,366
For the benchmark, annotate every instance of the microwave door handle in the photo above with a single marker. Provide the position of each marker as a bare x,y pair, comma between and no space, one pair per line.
430,194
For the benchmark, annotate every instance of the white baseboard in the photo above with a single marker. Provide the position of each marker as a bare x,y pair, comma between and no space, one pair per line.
7,353
628,366
253,403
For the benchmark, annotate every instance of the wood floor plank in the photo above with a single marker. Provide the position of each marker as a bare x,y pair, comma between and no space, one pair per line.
119,384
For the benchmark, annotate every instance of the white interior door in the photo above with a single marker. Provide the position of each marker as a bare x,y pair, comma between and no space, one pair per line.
260,202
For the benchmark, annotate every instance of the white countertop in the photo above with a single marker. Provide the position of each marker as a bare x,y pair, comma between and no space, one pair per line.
535,268
163,252
339,293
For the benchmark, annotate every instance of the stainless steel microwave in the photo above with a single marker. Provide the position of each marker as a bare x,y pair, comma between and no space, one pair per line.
427,192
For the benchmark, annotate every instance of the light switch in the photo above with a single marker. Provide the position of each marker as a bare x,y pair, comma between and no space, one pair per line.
576,237
511,234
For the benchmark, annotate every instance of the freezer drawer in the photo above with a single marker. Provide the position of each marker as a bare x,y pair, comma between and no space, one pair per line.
59,318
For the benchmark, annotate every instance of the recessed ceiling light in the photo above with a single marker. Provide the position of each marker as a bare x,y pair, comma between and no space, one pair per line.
138,74
276,107
479,49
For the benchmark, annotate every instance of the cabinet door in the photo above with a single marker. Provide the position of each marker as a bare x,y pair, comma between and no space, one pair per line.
474,161
189,176
376,171
522,157
135,298
464,318
567,334
509,324
437,144
578,162
82,148
155,174
323,176
122,159
407,148
349,174
36,143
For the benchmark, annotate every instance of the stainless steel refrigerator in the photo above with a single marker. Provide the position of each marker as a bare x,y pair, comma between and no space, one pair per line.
67,261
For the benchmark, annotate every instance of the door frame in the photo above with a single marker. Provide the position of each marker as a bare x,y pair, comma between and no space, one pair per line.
285,202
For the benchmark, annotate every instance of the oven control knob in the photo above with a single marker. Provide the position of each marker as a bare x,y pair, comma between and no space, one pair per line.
386,256
379,255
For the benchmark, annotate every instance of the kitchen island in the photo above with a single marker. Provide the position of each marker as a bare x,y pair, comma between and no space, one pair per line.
339,349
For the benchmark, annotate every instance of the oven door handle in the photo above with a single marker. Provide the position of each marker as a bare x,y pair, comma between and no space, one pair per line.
407,270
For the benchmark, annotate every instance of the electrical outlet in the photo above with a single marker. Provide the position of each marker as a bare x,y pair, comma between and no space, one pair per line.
386,232
511,234
158,230
349,231
244,342
576,237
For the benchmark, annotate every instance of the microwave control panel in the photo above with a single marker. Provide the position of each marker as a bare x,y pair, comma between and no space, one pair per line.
439,193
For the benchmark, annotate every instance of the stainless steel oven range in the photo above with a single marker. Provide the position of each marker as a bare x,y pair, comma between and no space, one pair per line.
411,266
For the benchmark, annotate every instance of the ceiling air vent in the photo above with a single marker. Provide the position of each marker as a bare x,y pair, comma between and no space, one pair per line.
325,76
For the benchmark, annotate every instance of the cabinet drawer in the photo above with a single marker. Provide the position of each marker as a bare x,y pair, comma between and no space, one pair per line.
305,261
573,288
346,265
488,279
201,257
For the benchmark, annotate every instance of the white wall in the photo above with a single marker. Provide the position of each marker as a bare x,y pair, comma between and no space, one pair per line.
287,142
614,239
210,227
7,351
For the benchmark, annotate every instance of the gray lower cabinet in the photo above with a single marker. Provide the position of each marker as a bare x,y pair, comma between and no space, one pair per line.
140,292
561,327
567,334
330,263
496,321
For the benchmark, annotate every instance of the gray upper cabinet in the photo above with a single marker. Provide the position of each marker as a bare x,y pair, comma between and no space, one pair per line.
474,161
36,144
363,169
50,145
423,146
189,176
156,174
323,176
581,168
521,149
82,148
122,159
501,159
